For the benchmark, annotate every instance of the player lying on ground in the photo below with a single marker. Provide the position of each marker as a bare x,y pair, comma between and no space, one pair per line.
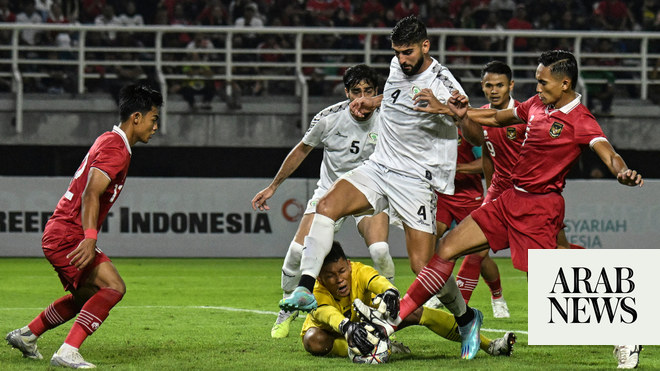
347,141
327,330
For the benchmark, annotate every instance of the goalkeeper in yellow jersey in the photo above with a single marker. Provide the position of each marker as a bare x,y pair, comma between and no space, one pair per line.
334,324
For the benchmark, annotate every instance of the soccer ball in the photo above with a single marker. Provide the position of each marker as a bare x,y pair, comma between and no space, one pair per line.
379,354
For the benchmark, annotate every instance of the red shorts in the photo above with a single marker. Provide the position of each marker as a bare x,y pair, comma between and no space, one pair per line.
521,221
497,187
450,209
58,241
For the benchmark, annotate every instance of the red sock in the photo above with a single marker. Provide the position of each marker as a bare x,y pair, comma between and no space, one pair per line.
92,315
468,275
58,312
495,288
428,282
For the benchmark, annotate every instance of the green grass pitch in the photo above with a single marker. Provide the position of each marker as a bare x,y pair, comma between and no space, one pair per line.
216,314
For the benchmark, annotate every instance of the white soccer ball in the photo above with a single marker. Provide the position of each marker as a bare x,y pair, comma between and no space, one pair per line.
379,354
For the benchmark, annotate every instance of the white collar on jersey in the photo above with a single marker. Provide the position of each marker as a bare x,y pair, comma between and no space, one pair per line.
572,104
117,129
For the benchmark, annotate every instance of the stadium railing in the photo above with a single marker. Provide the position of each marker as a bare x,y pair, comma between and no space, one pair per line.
308,49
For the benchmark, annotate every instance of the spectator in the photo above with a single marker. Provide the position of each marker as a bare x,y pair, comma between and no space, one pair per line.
405,8
61,77
199,82
493,43
61,39
6,15
460,60
32,38
213,14
519,22
43,8
70,9
91,9
29,15
271,42
503,8
466,18
126,71
322,10
108,18
179,18
317,85
130,17
439,18
613,15
373,8
341,18
603,92
250,19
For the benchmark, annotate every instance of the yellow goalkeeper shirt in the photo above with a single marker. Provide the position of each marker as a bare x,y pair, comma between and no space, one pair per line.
365,284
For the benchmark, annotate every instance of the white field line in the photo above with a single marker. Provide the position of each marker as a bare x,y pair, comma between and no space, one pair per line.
228,309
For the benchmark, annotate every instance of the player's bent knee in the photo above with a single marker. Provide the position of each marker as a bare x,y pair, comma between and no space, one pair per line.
325,208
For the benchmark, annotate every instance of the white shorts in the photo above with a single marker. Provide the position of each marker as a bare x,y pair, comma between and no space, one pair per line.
408,198
311,208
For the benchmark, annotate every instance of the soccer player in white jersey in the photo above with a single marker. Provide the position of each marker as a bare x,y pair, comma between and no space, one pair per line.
347,141
415,155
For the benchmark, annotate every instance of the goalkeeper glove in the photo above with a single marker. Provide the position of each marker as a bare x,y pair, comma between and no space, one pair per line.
388,303
359,336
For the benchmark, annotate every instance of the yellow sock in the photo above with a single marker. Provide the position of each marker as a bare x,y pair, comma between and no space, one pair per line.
444,324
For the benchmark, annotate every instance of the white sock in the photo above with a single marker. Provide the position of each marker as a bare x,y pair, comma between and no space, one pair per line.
451,297
317,245
67,348
291,268
380,254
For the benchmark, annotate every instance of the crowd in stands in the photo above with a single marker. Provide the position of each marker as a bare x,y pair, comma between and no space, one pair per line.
616,15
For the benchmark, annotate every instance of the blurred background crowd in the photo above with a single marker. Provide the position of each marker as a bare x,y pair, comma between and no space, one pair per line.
610,15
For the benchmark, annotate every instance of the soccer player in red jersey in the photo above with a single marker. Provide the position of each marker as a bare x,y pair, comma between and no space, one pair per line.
69,240
500,152
529,215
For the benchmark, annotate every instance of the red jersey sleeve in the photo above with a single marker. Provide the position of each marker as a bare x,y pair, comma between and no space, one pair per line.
111,157
522,110
587,130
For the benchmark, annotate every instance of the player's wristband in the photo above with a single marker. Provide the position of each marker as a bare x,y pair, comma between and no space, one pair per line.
91,233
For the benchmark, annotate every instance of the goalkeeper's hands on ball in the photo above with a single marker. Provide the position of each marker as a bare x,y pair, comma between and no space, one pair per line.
359,336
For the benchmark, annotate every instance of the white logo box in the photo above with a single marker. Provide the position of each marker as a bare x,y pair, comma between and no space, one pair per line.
566,308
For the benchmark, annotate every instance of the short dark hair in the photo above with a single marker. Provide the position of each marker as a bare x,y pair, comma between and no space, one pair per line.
408,30
137,98
354,75
336,253
561,62
497,67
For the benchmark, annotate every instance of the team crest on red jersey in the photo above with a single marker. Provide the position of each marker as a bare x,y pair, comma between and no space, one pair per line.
460,140
511,133
555,129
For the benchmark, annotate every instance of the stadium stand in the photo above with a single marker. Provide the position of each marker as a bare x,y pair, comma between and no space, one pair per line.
297,65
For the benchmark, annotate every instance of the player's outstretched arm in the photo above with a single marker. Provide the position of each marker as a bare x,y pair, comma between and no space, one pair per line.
616,165
472,167
471,131
363,106
289,165
97,183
